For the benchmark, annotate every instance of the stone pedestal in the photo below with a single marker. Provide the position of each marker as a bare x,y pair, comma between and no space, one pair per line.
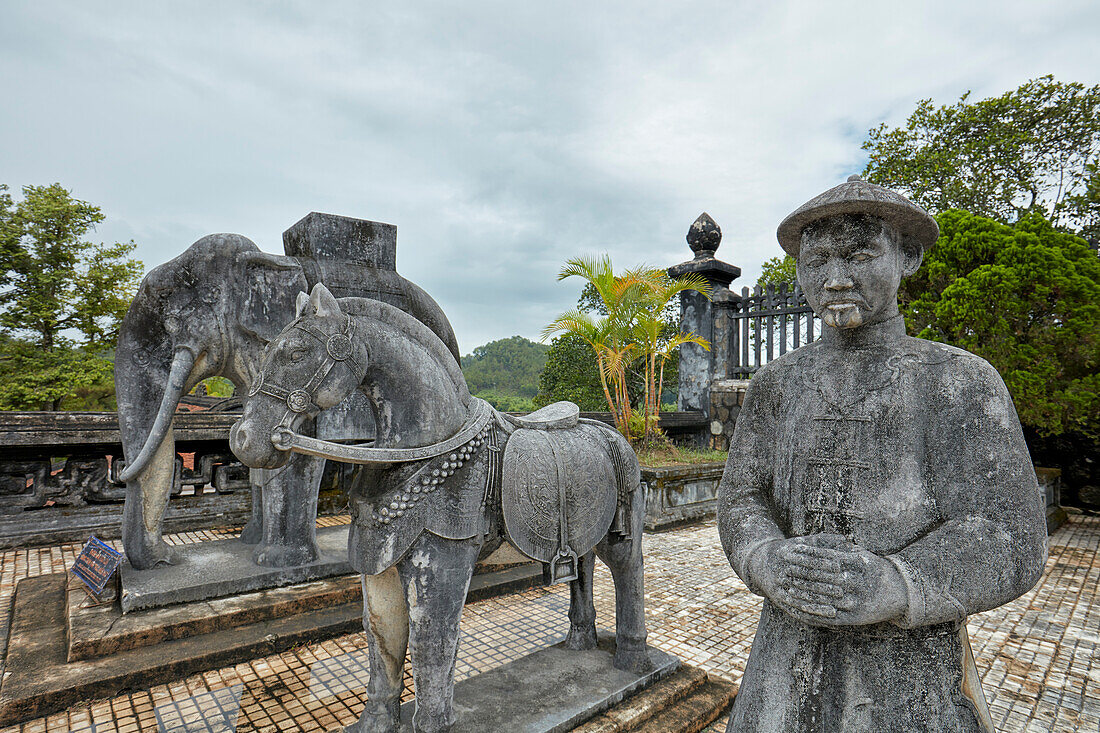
551,691
1050,483
224,568
679,494
698,366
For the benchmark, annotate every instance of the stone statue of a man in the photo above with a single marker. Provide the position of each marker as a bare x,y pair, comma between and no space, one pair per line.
878,491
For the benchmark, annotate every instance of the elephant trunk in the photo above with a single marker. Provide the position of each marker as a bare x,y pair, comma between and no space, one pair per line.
173,390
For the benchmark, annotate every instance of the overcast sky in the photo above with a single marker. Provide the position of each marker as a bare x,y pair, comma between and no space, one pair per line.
500,137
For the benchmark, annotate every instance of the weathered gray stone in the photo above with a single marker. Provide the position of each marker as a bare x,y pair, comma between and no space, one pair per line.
223,568
550,691
210,312
679,494
878,491
442,484
698,365
727,394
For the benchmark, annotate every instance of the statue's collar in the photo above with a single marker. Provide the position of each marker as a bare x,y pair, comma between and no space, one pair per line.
874,334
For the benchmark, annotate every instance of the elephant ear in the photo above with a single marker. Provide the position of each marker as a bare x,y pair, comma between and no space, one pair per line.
268,284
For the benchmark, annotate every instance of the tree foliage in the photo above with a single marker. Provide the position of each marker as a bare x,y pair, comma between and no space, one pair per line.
1026,297
62,300
630,328
1031,149
506,372
571,374
777,270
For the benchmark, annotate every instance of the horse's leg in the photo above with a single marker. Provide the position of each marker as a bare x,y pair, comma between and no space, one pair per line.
582,610
624,558
436,574
386,622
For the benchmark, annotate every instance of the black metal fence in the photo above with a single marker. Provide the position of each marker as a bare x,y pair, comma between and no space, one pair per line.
767,323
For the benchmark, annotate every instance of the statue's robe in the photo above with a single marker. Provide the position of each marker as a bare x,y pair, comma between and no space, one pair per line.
911,449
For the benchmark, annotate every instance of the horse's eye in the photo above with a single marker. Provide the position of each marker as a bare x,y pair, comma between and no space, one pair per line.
297,355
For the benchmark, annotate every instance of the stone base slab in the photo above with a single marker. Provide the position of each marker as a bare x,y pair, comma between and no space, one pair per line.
102,630
550,691
163,645
224,568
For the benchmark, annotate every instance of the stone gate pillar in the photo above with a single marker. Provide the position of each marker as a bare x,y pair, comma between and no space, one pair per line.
698,366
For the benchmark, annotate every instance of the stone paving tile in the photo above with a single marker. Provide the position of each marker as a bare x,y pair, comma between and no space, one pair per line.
1037,656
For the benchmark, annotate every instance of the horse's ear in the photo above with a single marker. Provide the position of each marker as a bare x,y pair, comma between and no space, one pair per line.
300,304
324,302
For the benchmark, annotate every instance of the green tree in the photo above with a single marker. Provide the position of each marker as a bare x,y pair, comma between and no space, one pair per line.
629,328
61,301
777,270
571,374
1031,149
1085,206
507,369
1026,297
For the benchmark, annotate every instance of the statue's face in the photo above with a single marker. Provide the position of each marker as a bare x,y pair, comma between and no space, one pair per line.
849,268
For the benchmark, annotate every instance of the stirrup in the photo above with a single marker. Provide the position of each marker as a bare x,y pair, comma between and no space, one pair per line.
563,568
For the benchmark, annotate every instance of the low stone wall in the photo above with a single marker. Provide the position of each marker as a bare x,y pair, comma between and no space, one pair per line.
677,494
726,398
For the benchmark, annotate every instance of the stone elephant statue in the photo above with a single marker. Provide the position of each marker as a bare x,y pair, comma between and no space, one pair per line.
210,312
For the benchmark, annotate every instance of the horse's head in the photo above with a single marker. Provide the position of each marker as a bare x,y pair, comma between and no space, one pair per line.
311,366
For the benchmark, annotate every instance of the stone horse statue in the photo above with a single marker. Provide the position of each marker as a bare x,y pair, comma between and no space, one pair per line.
447,478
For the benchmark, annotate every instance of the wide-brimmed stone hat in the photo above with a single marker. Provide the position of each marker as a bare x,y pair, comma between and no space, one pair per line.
857,196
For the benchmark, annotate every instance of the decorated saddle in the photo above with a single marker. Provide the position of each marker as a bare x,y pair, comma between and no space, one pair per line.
562,484
559,496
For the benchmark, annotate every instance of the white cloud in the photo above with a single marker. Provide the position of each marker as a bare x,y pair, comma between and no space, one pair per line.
501,138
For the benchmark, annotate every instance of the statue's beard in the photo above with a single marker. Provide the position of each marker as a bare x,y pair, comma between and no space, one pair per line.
842,315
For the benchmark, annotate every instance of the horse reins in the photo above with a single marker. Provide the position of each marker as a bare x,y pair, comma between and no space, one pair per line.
338,350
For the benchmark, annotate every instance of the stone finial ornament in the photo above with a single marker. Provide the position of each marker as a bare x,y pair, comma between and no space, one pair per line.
859,196
704,235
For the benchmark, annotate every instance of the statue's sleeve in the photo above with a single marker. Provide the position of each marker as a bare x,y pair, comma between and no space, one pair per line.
746,518
991,544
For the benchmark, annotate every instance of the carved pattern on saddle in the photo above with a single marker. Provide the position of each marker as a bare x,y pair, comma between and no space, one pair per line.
559,494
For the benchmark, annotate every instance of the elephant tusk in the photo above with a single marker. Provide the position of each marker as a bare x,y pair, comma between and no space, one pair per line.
173,389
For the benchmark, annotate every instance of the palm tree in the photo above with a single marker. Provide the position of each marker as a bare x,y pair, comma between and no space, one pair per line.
656,340
609,336
632,329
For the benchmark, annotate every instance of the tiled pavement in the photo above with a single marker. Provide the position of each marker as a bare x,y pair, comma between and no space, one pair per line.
1038,656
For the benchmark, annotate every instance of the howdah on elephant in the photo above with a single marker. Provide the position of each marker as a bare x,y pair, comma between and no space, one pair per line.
210,312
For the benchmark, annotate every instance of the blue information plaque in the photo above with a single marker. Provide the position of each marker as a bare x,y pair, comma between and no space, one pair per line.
95,564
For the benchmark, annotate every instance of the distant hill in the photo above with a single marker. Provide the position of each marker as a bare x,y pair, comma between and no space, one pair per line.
506,372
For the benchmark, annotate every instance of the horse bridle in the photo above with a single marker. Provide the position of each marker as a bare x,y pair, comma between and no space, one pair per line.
338,350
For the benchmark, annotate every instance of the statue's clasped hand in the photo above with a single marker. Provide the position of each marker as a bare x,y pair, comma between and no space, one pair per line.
826,580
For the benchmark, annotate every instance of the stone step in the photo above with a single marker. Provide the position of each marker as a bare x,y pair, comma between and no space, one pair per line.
693,713
100,630
635,711
38,679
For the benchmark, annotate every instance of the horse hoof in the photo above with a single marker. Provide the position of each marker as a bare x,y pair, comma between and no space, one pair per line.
377,718
284,556
581,637
636,661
